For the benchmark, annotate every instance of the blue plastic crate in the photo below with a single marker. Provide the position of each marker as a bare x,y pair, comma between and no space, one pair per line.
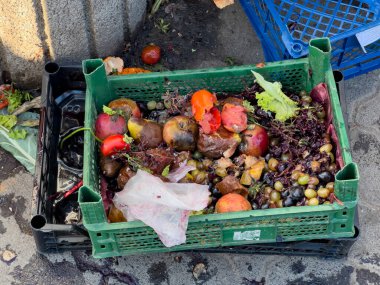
286,26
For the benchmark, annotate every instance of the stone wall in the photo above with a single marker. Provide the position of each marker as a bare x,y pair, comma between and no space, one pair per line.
33,32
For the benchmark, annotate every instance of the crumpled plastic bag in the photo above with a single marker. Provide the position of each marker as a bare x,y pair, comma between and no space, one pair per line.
163,206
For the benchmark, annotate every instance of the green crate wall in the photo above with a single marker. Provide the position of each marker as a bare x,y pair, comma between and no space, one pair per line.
213,230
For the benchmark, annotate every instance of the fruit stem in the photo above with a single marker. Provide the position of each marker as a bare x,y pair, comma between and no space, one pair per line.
77,131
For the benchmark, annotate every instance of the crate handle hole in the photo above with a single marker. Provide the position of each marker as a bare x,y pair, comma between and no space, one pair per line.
344,213
38,222
99,234
297,48
102,246
342,225
51,67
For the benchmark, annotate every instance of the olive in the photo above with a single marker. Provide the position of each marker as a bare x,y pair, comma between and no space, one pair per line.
332,167
326,202
303,93
330,186
273,164
296,193
310,193
278,186
216,180
222,172
281,167
295,175
311,186
151,105
192,162
207,162
200,165
332,158
200,177
197,155
267,157
268,179
323,192
313,202
254,206
321,114
167,104
315,166
288,202
275,196
267,191
194,173
160,106
295,183
216,193
325,177
279,204
326,148
313,180
303,179
306,99
285,193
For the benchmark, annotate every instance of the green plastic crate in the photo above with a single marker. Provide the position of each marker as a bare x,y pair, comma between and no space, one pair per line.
204,231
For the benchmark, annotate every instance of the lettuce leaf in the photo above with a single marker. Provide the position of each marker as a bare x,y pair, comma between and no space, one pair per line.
24,150
274,100
8,121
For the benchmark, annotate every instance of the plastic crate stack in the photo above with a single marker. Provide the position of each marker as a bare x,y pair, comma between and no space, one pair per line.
285,28
52,237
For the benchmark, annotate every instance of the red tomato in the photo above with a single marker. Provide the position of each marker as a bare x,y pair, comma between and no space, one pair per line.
114,144
211,121
3,99
151,54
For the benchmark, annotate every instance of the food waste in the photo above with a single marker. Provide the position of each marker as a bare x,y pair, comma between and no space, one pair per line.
261,148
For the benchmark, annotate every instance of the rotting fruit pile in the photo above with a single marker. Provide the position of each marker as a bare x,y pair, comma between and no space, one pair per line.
258,149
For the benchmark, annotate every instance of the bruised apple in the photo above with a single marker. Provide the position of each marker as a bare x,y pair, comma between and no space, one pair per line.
107,125
221,143
232,202
128,107
145,132
254,141
181,133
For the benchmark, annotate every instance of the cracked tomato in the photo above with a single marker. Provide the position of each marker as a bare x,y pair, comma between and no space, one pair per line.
201,102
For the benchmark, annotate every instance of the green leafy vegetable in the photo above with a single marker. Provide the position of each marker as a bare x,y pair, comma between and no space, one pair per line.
16,98
18,134
247,105
24,150
127,139
274,100
166,170
111,112
8,121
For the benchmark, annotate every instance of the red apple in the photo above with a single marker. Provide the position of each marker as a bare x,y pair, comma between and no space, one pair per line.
255,141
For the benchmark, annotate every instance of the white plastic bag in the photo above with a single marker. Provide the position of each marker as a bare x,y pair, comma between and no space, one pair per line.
163,206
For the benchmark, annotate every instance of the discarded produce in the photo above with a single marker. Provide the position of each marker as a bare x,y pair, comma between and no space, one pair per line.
259,149
108,124
151,54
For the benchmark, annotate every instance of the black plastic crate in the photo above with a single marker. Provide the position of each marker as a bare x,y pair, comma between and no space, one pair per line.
66,83
51,237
